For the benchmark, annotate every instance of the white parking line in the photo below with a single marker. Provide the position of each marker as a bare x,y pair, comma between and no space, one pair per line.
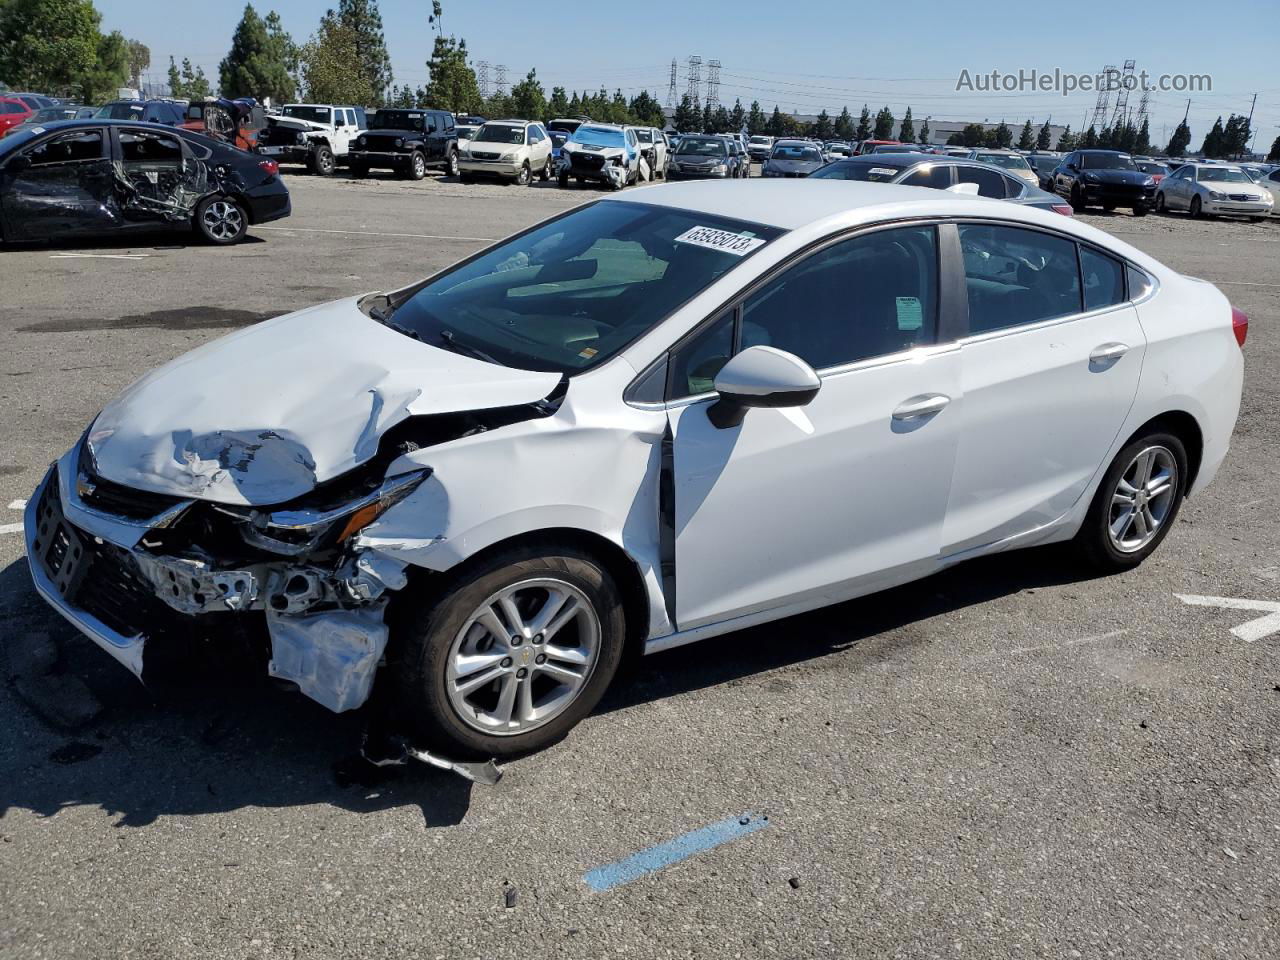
373,233
1244,283
11,528
98,256
18,505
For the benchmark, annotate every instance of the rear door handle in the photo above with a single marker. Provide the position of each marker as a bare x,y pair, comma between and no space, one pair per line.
917,408
1108,352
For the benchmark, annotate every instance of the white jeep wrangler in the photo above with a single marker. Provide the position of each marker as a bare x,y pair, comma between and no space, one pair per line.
315,134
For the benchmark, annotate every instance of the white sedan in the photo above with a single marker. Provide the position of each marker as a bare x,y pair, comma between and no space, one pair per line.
652,419
1214,189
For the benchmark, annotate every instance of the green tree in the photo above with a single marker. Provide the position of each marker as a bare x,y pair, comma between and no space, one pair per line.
1274,155
1213,141
195,85
1002,136
528,100
843,126
453,83
687,116
139,60
1026,139
864,125
1235,137
756,120
777,125
1090,140
176,89
907,132
822,126
402,98
722,120
924,132
973,135
956,139
1143,142
326,60
1179,141
737,117
109,71
1067,141
372,62
708,118
558,104
884,125
262,60
647,111
49,45
1044,139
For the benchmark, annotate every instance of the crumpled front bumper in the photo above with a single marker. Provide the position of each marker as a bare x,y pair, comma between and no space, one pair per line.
94,570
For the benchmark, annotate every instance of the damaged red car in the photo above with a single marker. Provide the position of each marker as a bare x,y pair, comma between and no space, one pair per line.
96,177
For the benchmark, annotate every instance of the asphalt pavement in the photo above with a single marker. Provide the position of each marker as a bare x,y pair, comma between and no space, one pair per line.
1009,759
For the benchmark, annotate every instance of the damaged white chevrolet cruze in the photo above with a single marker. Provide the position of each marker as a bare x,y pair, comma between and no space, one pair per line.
653,419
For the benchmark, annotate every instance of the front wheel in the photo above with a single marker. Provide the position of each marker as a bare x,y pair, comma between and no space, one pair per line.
1160,205
1077,200
1140,211
516,653
1136,503
562,181
221,221
1196,207
524,177
417,166
359,171
323,161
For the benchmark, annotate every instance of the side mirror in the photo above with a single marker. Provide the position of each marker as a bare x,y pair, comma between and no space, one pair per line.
761,377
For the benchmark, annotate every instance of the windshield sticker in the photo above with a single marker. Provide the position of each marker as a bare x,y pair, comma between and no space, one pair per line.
883,171
910,314
738,244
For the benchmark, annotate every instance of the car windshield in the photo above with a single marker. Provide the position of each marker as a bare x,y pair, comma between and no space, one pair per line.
854,170
644,136
796,151
499,133
397,120
701,147
311,114
1010,161
1106,161
895,148
597,137
466,133
761,140
1150,166
569,294
1222,175
119,111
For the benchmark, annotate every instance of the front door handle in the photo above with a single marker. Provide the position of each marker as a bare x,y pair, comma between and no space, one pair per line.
917,408
1108,352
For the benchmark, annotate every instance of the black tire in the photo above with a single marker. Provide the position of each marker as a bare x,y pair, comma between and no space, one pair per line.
545,175
423,635
466,178
451,163
562,181
1140,211
1093,542
1257,219
1196,208
417,166
1076,201
359,171
525,176
1160,204
323,162
1109,207
221,221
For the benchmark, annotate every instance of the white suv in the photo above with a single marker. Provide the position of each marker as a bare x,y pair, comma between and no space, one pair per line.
313,134
507,149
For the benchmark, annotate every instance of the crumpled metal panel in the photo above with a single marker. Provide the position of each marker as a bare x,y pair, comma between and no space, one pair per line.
233,422
331,656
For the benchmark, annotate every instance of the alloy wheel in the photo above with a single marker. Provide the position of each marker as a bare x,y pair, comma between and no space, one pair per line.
522,657
1143,499
222,220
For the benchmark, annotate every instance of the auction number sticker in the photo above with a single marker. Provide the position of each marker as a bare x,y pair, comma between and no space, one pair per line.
738,244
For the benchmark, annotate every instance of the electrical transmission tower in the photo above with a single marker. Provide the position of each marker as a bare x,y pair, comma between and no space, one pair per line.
695,80
484,78
1144,109
1104,99
1121,114
713,83
671,88
500,85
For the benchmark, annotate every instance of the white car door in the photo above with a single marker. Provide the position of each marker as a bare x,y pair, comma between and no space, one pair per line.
1049,370
810,505
1272,183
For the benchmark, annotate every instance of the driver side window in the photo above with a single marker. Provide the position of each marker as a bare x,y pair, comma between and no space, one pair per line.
67,148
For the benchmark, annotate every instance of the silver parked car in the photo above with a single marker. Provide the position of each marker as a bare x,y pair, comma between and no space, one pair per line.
792,158
1216,189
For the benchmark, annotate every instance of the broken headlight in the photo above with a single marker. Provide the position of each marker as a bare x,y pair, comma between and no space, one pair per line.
325,517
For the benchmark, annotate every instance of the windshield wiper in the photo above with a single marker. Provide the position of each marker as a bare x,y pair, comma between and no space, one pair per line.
451,342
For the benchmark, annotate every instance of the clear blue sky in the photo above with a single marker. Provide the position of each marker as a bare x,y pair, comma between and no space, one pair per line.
802,56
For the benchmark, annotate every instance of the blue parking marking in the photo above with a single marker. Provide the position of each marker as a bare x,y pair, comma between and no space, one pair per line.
665,854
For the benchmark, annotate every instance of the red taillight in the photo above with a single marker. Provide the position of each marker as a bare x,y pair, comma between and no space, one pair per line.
1239,325
1062,208
270,166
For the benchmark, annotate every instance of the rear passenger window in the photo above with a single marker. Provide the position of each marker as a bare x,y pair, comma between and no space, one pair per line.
864,297
139,147
1103,279
933,175
1016,276
1139,284
991,183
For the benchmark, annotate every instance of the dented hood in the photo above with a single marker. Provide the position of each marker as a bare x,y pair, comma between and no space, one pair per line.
297,123
263,415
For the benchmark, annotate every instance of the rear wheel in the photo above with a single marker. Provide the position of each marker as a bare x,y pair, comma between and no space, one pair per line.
1196,207
323,161
451,163
221,220
1136,503
518,651
1160,207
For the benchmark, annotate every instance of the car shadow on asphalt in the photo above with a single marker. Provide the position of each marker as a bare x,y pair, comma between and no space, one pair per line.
224,737
158,240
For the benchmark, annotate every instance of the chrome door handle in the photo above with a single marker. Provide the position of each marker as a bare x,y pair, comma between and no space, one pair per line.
925,405
1108,352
